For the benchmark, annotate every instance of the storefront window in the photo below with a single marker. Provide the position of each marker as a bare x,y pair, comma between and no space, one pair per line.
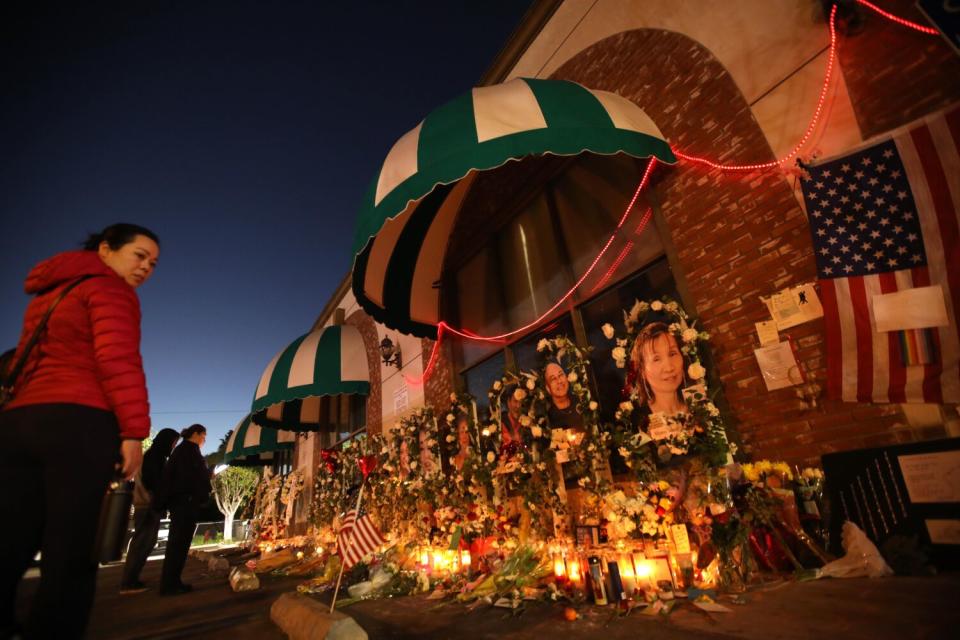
590,199
527,265
525,350
532,270
479,378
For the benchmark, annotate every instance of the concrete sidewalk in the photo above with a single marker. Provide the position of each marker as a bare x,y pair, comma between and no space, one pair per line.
887,608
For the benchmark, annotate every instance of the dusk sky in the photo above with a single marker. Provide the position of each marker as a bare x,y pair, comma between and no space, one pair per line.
243,133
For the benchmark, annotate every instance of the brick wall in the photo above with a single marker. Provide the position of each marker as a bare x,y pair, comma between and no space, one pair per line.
371,342
441,383
896,75
742,236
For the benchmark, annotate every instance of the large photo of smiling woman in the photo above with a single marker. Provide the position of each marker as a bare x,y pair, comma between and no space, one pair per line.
658,368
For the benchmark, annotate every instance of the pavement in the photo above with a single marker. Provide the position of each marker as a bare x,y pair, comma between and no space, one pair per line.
896,608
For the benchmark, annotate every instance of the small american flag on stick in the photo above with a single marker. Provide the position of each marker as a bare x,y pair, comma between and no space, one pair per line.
358,537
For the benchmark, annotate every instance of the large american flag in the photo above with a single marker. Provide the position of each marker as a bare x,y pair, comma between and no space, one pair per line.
885,219
358,537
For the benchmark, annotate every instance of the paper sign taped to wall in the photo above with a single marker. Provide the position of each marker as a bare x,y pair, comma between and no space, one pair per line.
932,477
917,308
794,306
767,332
778,365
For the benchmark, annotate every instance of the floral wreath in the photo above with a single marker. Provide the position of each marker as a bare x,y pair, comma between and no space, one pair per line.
330,487
701,430
593,451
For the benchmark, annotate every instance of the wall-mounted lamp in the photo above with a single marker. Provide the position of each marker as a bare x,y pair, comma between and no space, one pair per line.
390,353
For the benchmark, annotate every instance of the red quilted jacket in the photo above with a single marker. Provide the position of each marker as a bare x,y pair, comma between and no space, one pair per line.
90,351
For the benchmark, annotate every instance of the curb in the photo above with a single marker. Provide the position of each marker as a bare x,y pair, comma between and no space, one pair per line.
303,618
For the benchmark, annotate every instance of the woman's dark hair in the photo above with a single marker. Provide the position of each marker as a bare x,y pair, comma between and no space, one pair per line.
192,429
117,235
164,441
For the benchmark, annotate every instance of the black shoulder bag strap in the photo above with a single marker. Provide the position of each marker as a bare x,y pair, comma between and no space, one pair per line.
14,373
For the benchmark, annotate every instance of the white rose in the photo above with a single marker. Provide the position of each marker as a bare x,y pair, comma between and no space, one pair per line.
689,335
453,397
620,355
490,456
450,417
672,307
497,385
712,409
696,371
450,438
535,430
413,465
572,377
607,330
519,394
626,406
531,384
656,305
525,420
543,344
593,405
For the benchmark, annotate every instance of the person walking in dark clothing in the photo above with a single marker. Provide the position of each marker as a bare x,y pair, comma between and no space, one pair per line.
146,519
185,486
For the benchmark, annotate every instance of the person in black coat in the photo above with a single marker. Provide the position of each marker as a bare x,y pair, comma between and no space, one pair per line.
184,488
146,519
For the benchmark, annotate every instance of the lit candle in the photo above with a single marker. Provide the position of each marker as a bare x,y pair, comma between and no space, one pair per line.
559,569
645,572
465,559
627,575
437,560
573,571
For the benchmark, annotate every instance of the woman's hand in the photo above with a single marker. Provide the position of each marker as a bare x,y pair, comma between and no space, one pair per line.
132,453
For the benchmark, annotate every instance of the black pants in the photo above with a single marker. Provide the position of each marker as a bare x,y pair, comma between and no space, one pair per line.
183,522
56,461
146,527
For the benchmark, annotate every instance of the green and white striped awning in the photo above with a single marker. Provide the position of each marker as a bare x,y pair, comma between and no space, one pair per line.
328,362
251,445
409,211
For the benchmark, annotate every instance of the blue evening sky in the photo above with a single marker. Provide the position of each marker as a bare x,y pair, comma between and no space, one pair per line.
243,133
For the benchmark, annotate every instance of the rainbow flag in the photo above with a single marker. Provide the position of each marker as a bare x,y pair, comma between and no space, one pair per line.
917,347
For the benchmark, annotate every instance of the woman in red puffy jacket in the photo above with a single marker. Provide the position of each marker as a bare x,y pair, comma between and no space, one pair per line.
79,410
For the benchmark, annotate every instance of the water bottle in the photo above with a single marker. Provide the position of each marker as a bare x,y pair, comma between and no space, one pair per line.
114,520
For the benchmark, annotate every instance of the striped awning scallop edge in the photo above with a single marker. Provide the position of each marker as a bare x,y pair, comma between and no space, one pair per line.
326,362
409,210
252,445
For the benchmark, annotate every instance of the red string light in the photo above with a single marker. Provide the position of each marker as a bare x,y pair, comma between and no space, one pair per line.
443,327
899,20
810,128
566,296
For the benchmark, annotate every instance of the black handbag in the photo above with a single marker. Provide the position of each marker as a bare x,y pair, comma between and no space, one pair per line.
114,521
9,378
